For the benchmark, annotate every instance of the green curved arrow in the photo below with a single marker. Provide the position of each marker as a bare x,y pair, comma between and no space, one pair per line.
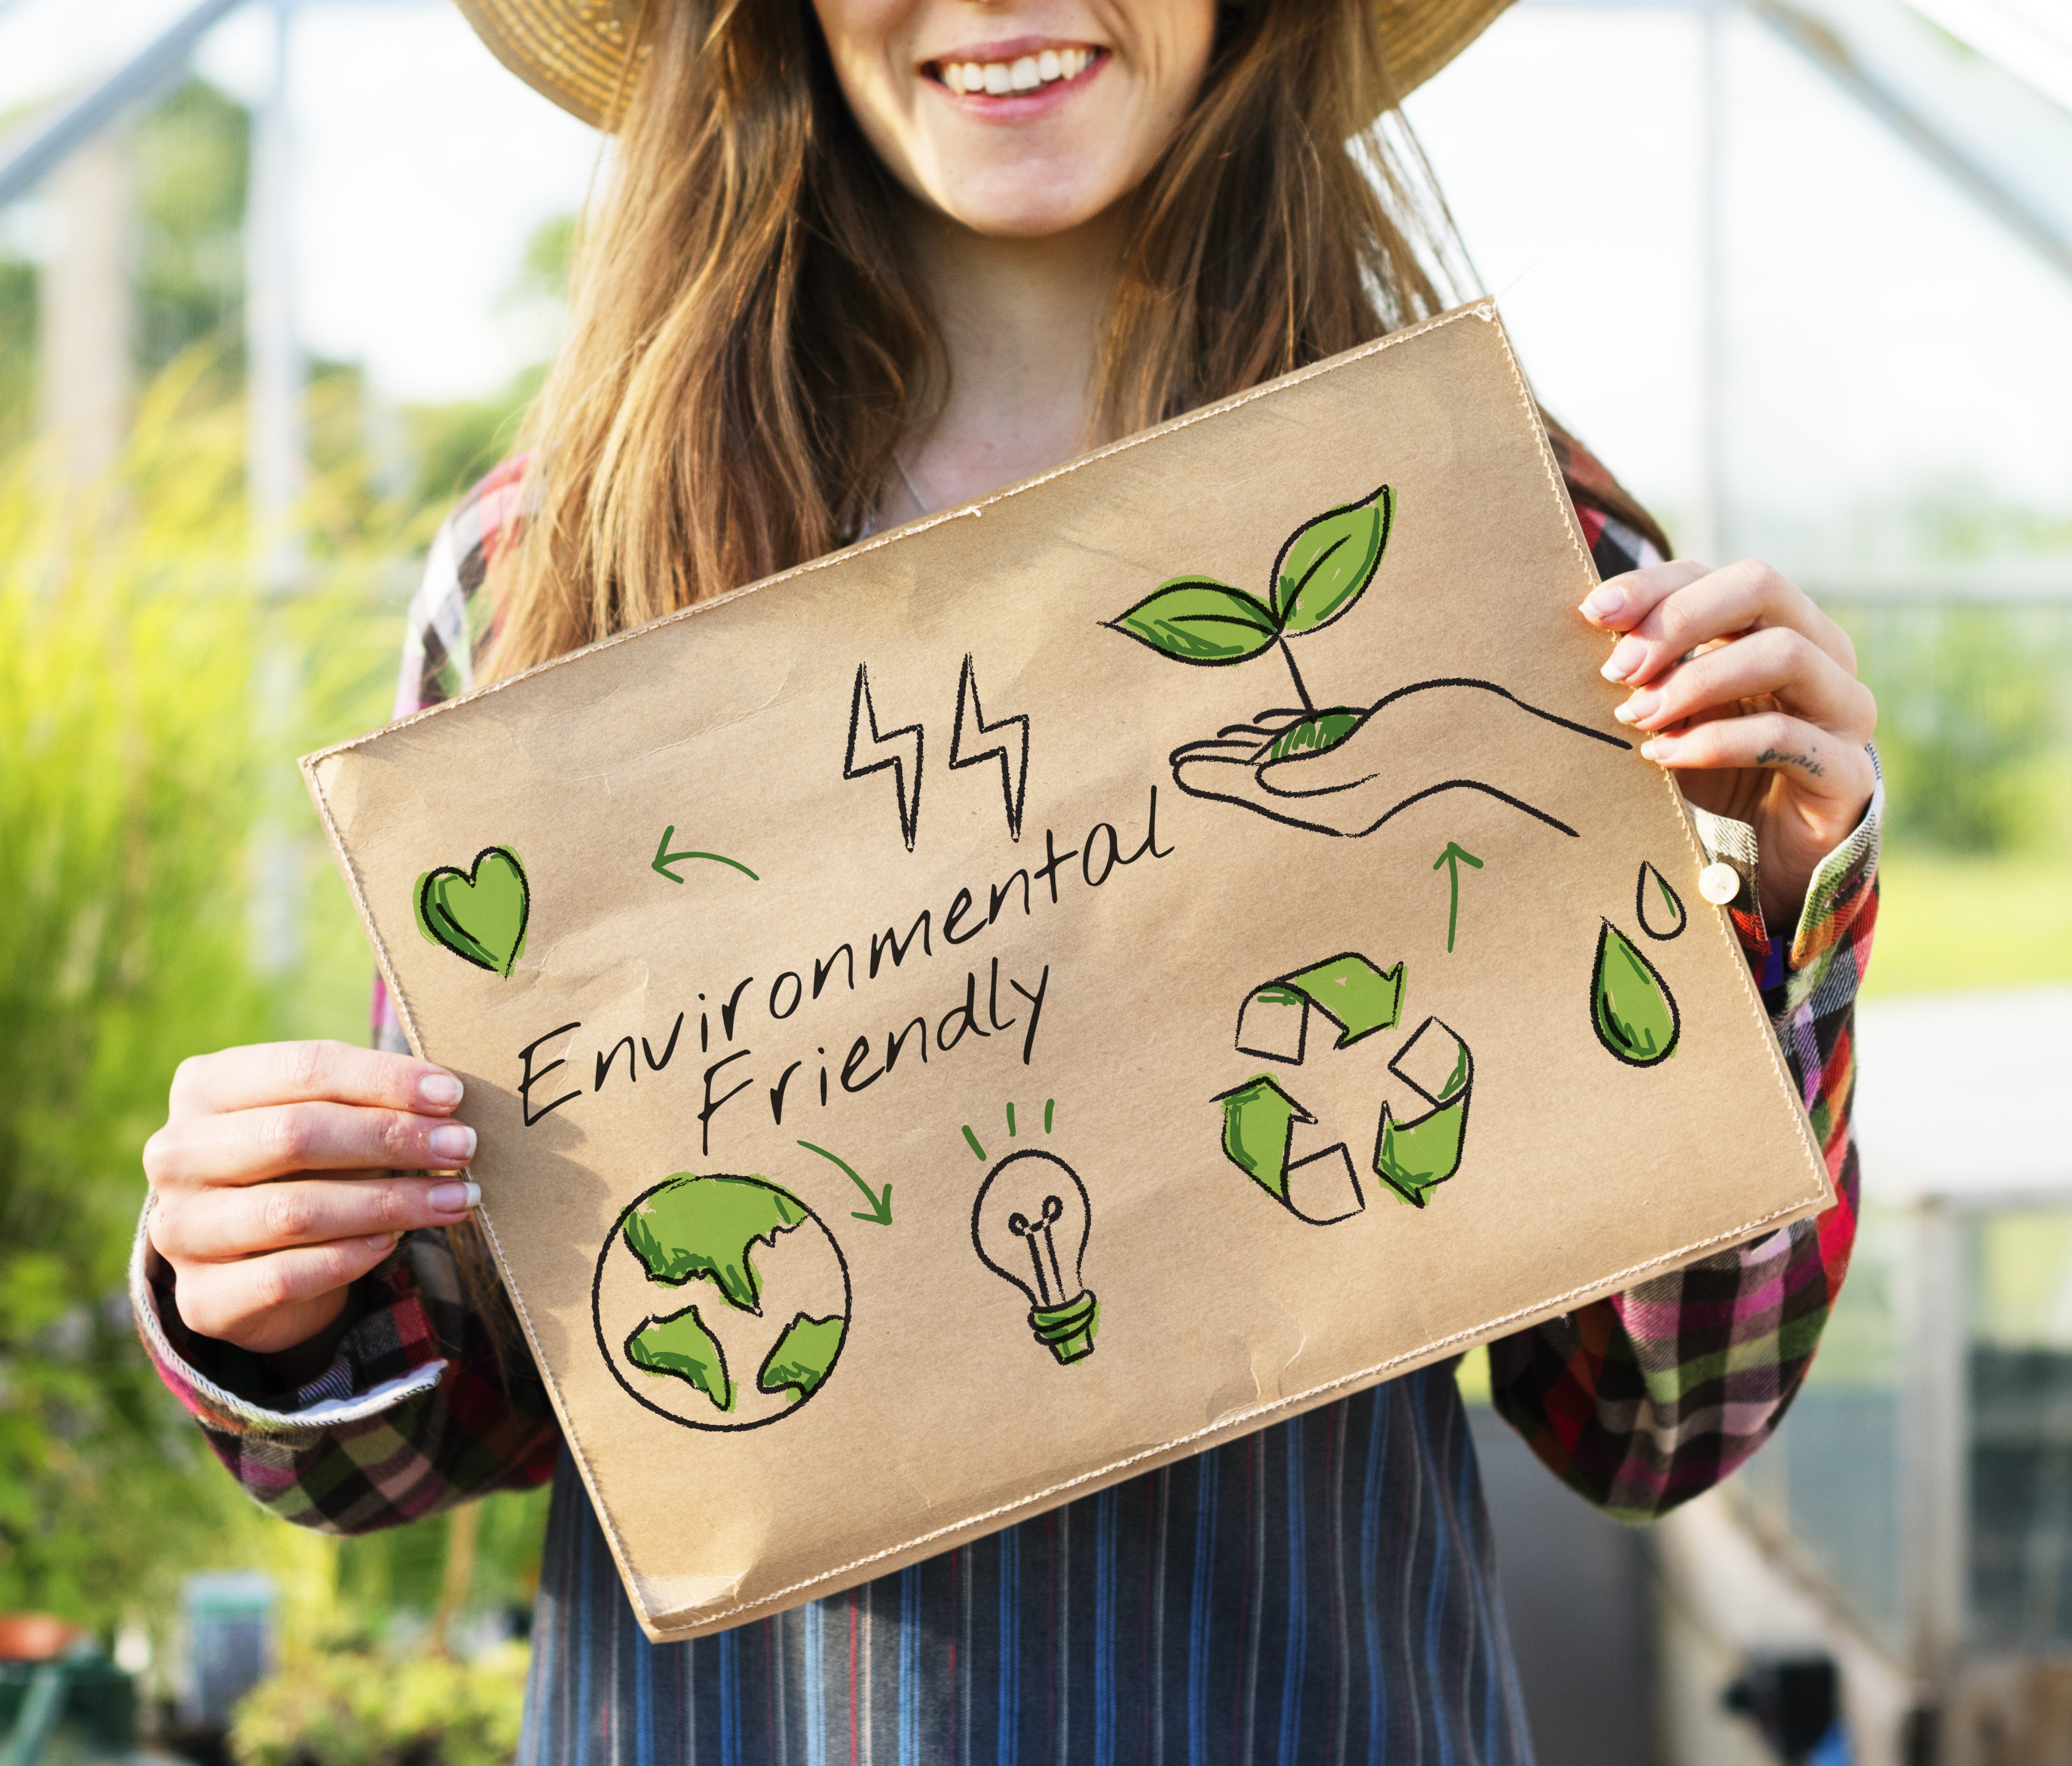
1259,1125
1357,996
1415,1158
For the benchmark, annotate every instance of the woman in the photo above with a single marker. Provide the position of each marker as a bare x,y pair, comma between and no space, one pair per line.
849,265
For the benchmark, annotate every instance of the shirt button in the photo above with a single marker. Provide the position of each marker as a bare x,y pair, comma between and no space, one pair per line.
1719,884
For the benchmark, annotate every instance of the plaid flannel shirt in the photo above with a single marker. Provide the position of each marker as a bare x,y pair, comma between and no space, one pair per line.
1638,1401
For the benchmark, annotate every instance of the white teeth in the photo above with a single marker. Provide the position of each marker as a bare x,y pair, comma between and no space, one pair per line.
998,79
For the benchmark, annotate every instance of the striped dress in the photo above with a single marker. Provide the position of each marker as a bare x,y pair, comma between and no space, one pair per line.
1323,1591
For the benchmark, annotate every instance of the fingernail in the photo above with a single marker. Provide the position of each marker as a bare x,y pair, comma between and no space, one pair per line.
1627,655
1640,706
1602,602
440,1088
453,1197
383,1242
1661,748
452,1140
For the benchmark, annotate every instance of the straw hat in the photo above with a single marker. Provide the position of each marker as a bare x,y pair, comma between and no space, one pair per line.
574,51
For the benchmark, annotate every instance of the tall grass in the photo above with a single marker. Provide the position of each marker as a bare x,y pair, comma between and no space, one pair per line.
151,700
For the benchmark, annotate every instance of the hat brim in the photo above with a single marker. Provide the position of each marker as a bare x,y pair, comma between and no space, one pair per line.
574,52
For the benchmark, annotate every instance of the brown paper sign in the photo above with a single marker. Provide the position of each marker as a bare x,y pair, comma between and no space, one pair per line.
1071,981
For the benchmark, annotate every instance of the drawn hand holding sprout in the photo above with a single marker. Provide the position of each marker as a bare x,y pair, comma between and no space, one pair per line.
1342,769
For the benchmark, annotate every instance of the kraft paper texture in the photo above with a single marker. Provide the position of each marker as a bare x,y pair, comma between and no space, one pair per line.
950,1028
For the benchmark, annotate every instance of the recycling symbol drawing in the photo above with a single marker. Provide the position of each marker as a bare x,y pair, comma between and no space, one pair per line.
1279,1022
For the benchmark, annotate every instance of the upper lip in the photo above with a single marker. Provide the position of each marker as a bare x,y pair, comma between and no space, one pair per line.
1007,49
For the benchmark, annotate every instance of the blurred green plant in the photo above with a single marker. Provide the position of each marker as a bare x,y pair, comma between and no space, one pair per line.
152,829
371,1708
1973,729
128,759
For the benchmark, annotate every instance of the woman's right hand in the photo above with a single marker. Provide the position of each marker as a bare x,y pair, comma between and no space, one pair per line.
272,1187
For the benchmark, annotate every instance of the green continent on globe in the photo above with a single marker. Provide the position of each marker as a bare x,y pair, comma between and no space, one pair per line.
694,1226
682,1348
799,1360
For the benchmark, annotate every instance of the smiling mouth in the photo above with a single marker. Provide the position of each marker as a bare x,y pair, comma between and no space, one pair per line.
1019,77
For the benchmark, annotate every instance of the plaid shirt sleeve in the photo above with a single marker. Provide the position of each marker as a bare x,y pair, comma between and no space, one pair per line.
427,1403
1642,1400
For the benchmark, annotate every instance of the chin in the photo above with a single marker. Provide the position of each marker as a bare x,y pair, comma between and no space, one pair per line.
1024,206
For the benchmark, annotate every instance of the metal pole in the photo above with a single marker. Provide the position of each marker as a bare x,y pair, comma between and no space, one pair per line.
276,473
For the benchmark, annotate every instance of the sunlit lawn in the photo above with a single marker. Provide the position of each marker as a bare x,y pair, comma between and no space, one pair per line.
1946,924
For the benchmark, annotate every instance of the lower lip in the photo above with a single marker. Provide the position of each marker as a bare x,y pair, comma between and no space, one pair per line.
1013,106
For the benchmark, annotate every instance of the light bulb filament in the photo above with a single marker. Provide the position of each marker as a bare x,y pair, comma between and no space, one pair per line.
1050,1283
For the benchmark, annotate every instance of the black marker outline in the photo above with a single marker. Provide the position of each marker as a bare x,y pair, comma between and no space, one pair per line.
1464,1097
1013,780
1597,981
1230,734
474,870
861,707
597,1308
1640,904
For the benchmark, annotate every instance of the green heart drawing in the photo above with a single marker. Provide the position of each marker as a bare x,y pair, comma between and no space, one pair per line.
480,915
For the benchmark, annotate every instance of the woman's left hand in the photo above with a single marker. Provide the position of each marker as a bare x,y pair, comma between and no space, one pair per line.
1747,693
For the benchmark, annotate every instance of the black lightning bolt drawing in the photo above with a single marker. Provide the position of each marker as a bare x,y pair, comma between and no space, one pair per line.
905,760
1011,748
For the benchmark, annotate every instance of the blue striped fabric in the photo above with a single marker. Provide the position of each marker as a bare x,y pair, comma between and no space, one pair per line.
1323,1592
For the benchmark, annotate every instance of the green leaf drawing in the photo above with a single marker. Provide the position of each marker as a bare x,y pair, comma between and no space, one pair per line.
1328,562
799,1360
1313,734
682,1348
1192,620
1631,1008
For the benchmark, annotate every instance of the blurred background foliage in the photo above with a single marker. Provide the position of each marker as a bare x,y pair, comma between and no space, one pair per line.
153,695
167,892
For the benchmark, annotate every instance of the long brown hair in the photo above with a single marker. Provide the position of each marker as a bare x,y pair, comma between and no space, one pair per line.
748,343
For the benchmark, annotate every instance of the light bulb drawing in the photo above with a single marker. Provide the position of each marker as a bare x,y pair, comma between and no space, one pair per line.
1030,1226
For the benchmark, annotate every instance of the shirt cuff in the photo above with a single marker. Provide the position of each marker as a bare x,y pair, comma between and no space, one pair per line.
1831,893
223,1388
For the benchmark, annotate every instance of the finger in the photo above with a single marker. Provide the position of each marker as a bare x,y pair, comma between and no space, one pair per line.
1722,605
1620,603
237,1079
1777,663
238,1303
252,1146
217,1225
1817,763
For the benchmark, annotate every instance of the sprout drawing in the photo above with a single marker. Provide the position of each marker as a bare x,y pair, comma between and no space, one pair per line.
1348,769
1323,569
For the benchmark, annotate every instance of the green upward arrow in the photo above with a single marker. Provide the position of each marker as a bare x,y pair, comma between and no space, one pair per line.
1452,858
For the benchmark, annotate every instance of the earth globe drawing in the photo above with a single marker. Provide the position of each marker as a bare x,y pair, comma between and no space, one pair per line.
720,1302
